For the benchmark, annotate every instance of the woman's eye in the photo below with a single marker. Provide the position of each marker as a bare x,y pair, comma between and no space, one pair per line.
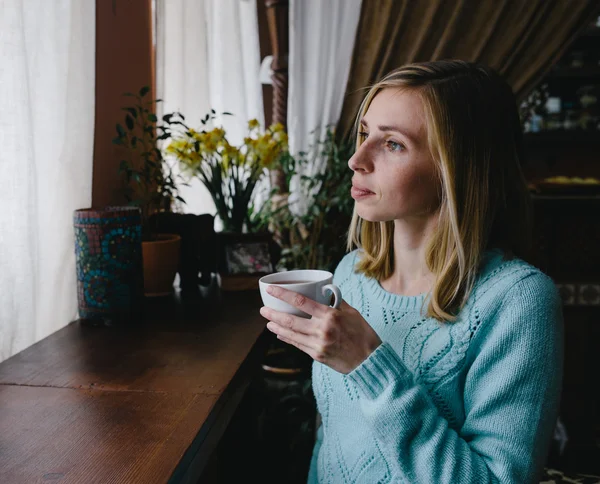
393,146
363,135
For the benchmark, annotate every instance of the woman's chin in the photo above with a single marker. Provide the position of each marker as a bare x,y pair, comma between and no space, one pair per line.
371,217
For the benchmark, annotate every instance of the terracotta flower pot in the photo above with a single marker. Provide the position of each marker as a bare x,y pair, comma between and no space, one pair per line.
161,259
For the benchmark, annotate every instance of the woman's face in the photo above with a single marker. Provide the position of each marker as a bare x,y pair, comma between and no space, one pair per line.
394,174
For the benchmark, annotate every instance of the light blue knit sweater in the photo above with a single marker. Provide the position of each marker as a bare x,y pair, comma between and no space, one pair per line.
474,401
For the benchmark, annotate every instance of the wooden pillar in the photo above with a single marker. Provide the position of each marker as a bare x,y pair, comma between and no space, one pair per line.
278,20
123,63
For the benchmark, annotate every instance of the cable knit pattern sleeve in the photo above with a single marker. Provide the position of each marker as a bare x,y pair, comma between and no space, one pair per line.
511,396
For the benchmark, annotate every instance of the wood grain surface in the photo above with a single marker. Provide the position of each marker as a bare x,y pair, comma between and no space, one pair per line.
131,404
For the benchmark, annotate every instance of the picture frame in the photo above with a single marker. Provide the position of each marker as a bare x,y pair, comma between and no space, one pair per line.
244,258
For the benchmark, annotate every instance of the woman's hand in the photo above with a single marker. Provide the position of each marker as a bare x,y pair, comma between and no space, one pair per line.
339,338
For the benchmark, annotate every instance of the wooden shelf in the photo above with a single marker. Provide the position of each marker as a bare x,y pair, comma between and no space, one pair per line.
562,135
561,72
591,31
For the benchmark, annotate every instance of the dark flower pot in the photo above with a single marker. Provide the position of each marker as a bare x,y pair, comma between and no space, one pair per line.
108,249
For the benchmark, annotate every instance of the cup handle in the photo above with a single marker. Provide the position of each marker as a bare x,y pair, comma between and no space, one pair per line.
337,294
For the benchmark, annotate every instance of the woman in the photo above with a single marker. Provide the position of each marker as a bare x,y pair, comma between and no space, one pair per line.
444,363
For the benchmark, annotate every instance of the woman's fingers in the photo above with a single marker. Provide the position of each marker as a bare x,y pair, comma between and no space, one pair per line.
298,300
307,349
290,334
289,321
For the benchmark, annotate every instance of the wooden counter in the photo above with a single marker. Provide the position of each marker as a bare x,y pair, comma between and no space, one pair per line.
130,404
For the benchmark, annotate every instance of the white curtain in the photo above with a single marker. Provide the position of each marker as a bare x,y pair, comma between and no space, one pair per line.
208,57
321,40
47,75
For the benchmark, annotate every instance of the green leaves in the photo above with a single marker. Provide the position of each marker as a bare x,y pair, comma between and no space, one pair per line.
131,110
148,178
316,238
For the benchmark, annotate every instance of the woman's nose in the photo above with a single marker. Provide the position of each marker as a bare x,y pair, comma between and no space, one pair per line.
361,160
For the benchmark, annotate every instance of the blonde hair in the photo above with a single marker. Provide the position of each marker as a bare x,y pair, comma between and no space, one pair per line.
475,139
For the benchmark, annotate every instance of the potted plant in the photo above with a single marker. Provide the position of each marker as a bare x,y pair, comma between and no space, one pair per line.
314,238
229,172
150,185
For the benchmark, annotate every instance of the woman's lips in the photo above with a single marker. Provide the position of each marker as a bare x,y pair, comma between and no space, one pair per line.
359,192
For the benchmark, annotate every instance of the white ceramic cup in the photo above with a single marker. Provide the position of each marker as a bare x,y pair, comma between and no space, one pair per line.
316,285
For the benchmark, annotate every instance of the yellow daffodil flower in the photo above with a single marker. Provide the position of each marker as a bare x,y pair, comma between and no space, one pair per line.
207,153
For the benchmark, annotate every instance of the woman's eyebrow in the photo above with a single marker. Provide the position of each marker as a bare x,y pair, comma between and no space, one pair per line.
385,127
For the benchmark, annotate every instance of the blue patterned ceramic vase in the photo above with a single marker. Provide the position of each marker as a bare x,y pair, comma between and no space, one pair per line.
108,249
